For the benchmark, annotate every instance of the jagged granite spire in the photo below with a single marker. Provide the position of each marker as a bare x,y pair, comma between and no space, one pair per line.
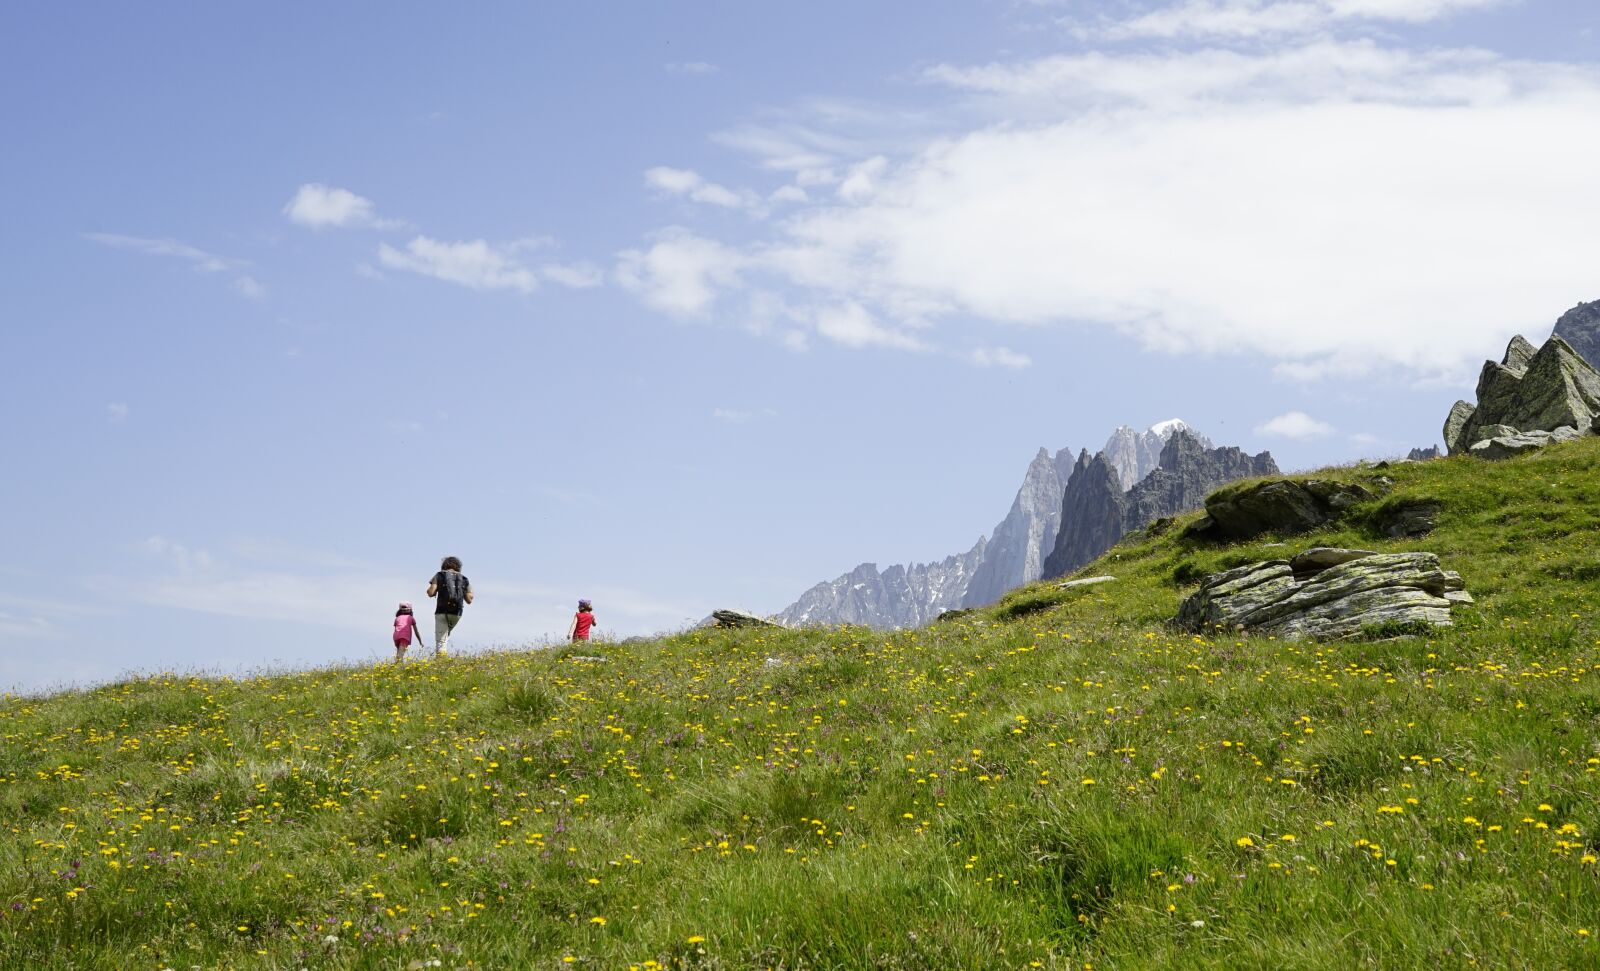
1018,545
1091,515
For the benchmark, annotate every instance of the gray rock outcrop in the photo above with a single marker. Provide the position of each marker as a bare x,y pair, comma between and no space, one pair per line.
1580,327
1526,391
1278,506
1326,594
1411,518
1424,454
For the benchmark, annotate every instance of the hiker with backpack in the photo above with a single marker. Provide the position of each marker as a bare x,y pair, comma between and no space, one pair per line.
453,592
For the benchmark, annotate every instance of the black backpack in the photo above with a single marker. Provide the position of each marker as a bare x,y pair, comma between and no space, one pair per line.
452,592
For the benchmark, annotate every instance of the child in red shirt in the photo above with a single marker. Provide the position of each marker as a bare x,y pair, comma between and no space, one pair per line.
582,621
405,628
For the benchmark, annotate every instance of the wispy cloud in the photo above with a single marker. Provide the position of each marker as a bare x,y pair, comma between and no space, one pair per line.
476,264
198,258
1296,425
697,68
202,261
999,357
579,276
319,206
1252,19
690,185
117,412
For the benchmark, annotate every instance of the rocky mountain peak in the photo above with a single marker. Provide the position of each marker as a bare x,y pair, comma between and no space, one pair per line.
1093,519
1136,454
1580,328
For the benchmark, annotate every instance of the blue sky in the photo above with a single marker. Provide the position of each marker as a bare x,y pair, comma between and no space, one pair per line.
688,306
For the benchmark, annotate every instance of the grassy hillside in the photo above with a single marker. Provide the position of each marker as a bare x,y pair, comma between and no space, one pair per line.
1058,781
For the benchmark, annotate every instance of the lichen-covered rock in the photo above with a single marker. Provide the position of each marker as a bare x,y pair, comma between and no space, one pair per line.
1360,591
1505,446
1455,425
1496,431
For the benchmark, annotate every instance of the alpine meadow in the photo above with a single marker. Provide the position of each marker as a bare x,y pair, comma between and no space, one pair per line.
1060,780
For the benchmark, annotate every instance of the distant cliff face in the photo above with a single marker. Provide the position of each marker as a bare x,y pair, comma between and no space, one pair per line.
899,596
1095,513
1580,327
1092,508
1018,545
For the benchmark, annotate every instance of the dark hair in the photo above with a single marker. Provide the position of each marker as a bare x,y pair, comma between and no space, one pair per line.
402,611
451,563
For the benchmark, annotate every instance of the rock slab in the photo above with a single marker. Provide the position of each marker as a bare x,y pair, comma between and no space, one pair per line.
1326,594
739,618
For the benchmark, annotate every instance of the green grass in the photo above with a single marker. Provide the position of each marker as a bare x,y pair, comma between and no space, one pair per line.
1059,780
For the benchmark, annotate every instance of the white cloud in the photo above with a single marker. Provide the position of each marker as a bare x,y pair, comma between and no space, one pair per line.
999,357
474,263
116,412
680,273
1265,18
852,325
1296,425
198,258
687,183
327,207
860,182
1336,207
691,67
789,193
249,287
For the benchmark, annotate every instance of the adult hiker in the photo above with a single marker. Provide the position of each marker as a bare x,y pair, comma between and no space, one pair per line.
453,592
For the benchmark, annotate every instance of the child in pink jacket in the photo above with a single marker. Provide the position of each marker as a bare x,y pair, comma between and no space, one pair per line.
405,628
